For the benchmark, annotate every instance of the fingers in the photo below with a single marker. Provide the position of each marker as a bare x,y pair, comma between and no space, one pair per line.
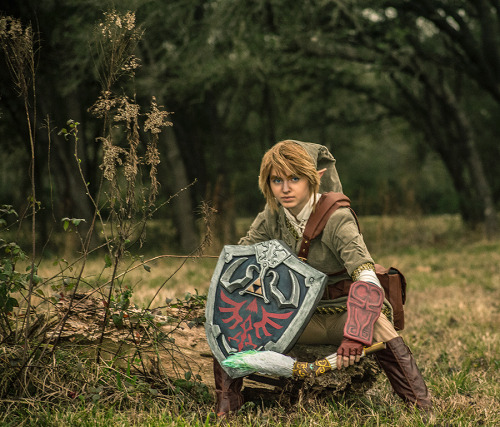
340,362
346,361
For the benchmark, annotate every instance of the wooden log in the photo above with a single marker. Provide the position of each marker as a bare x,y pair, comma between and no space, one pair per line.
356,379
184,348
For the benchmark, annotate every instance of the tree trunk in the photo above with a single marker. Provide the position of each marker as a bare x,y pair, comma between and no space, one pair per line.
183,210
475,166
450,134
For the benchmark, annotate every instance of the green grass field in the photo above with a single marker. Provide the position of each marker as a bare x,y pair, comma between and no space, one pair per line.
452,327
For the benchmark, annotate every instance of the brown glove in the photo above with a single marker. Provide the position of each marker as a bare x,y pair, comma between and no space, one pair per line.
349,347
349,352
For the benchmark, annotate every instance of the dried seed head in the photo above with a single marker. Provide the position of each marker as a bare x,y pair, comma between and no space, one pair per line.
156,119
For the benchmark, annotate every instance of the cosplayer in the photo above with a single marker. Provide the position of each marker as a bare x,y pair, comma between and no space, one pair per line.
293,175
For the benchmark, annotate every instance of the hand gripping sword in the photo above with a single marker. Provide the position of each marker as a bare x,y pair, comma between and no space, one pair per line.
277,364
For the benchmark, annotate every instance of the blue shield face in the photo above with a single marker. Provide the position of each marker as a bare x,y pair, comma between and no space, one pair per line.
261,297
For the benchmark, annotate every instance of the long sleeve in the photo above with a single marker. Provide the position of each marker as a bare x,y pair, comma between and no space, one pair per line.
263,228
342,236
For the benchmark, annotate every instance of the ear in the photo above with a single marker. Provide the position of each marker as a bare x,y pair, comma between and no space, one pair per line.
321,172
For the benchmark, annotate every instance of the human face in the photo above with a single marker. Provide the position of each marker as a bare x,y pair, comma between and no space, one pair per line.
291,191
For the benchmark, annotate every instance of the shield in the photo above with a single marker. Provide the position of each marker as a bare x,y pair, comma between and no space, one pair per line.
261,297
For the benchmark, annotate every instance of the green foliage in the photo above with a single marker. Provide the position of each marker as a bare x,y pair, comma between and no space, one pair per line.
364,78
11,281
240,76
190,307
73,221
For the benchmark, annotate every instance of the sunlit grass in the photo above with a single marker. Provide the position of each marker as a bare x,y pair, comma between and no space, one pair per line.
452,322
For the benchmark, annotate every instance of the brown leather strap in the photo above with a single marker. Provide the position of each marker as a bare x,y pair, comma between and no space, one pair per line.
327,204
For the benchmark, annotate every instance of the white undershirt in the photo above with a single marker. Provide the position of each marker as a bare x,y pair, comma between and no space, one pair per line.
369,276
299,222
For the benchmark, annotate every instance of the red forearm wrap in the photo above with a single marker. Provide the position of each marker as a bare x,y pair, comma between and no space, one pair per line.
363,309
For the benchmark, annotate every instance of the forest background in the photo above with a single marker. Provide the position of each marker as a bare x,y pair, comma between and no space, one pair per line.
132,139
405,94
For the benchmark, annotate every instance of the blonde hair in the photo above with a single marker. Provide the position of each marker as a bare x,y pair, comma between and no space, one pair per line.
287,158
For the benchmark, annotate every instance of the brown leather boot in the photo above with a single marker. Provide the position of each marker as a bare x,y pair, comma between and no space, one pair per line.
401,369
228,391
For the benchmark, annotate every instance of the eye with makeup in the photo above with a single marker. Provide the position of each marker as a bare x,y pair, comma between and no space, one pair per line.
277,180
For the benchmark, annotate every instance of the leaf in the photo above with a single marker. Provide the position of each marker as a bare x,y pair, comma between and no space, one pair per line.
147,268
76,221
107,261
69,286
119,381
10,304
117,319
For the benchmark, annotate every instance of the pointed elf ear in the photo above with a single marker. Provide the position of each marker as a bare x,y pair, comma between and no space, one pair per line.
321,172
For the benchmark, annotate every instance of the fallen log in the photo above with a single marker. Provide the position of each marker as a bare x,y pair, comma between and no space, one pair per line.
171,341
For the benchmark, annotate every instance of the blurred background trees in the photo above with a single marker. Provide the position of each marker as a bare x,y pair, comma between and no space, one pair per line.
405,94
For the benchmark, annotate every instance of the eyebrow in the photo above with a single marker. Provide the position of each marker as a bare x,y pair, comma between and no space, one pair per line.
293,175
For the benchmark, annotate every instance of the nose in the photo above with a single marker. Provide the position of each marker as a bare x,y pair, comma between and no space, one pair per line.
286,186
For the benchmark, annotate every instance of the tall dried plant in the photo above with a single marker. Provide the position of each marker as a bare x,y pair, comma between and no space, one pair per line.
19,46
127,194
130,195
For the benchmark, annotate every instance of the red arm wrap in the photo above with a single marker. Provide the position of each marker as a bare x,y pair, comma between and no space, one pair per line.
363,309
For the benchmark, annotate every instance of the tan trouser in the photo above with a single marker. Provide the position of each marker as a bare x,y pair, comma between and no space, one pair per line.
329,329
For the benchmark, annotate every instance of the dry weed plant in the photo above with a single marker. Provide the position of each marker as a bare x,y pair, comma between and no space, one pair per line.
19,46
124,203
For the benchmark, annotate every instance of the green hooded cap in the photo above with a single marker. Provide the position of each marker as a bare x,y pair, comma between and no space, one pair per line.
323,159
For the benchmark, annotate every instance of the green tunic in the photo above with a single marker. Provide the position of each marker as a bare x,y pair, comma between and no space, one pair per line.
339,247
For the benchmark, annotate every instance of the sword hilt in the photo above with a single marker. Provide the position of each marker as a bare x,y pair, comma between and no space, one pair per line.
374,348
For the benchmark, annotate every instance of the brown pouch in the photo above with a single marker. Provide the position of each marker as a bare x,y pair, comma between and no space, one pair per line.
394,284
392,280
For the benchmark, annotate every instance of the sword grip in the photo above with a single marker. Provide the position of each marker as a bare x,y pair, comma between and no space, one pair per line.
374,348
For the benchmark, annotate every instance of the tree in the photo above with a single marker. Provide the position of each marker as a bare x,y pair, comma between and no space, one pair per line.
68,84
240,76
390,55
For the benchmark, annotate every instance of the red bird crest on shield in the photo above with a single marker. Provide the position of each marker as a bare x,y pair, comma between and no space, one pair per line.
261,297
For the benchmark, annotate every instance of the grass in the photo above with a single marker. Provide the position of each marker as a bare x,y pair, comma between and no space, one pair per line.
452,320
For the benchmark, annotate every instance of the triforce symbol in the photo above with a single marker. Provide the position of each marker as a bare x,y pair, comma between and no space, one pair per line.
264,285
255,288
